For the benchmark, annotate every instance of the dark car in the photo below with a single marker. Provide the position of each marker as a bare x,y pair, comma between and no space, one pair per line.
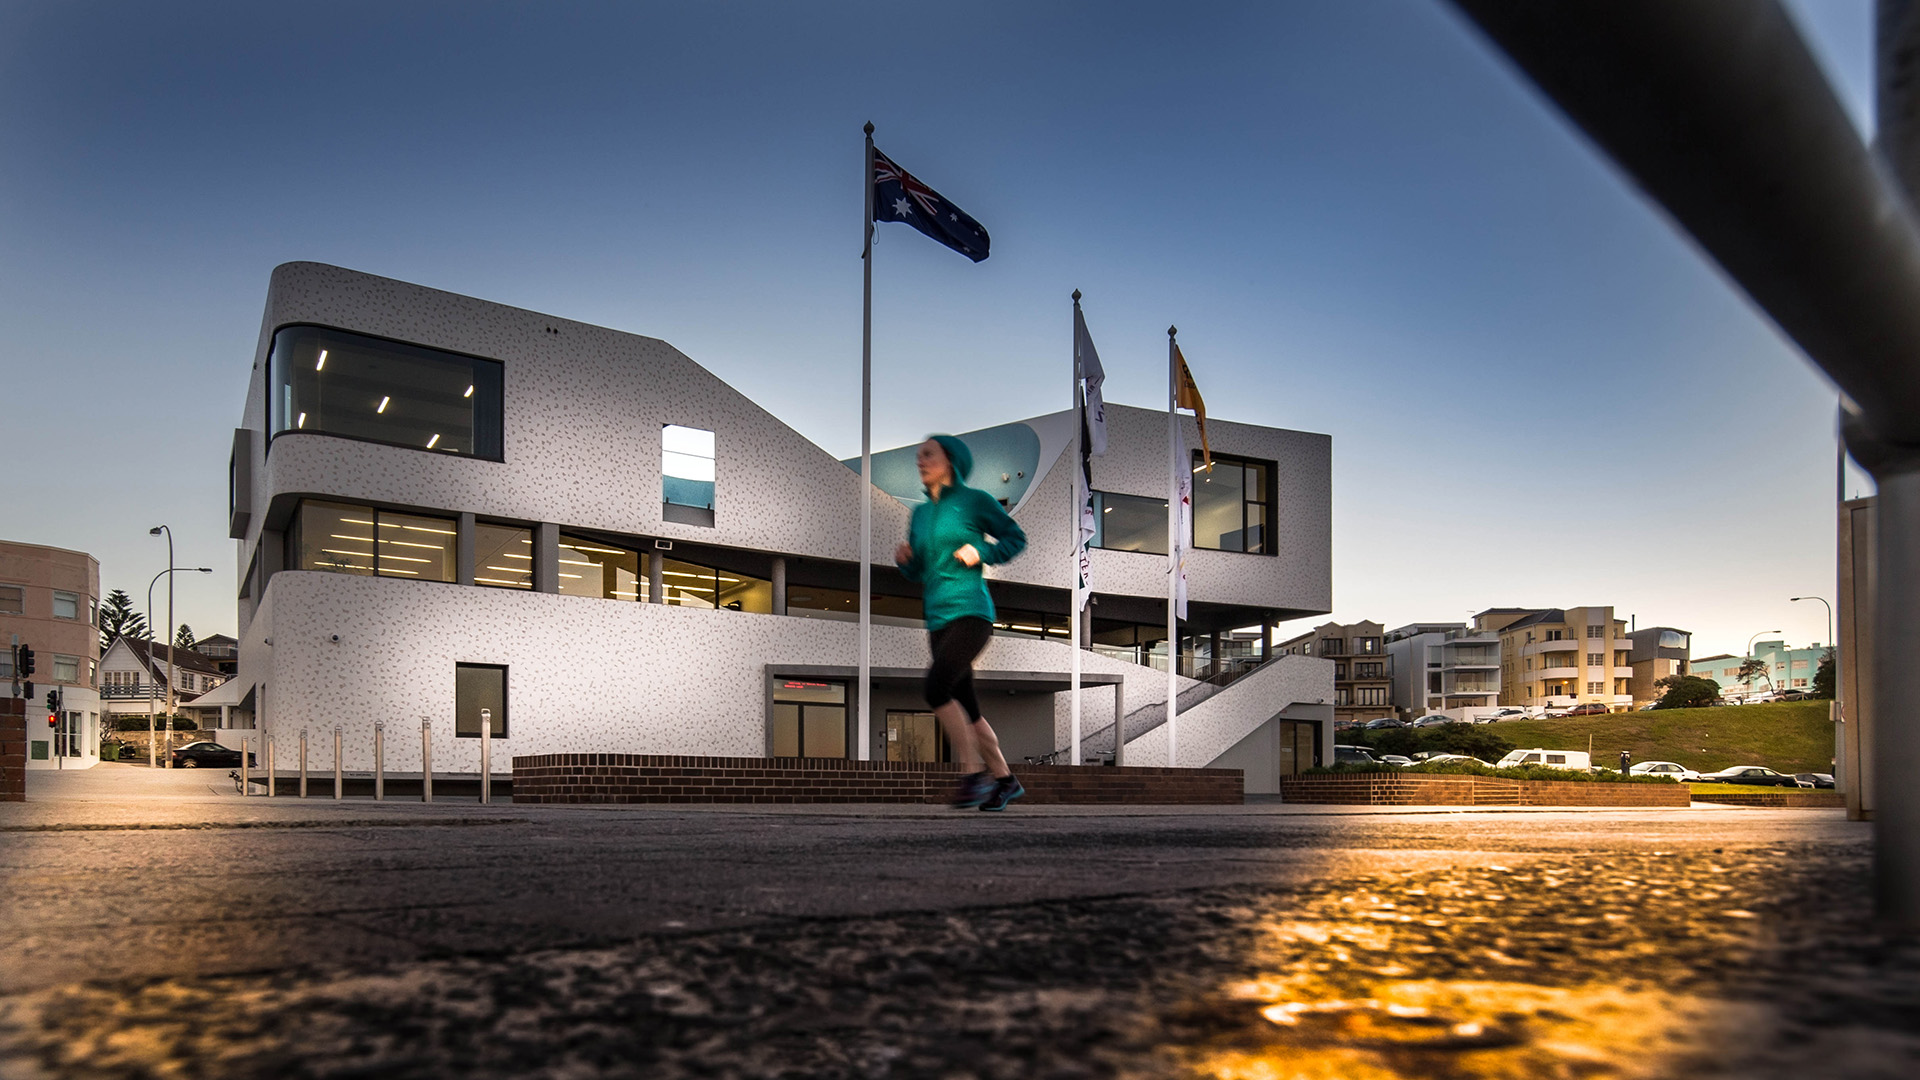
1353,755
207,755
1385,722
1757,775
1591,708
1817,779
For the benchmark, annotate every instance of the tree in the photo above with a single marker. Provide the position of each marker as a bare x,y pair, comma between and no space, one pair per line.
118,619
1754,666
1823,676
1686,692
183,638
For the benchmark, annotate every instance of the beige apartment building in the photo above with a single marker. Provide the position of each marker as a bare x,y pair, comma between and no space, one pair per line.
1560,657
1362,672
50,601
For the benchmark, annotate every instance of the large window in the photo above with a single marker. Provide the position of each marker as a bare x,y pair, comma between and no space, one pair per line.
595,568
1233,505
66,669
809,718
338,383
502,556
686,473
1129,523
692,585
477,687
815,602
346,539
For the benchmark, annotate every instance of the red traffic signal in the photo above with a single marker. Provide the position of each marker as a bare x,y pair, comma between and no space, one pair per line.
53,721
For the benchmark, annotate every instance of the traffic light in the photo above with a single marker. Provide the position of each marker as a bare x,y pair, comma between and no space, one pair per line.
53,720
23,663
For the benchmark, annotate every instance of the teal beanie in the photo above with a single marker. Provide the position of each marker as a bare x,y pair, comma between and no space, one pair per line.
957,453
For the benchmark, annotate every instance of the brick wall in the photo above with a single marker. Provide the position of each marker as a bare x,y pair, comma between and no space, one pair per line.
1801,798
13,750
1390,789
662,778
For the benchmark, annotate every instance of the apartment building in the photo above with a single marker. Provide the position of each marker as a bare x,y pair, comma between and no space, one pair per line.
1447,668
1561,657
1657,652
1362,672
50,600
1786,669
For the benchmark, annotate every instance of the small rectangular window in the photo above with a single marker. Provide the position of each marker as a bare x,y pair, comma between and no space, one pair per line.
809,719
13,600
477,687
687,468
1596,631
66,605
1129,523
1556,759
1231,507
66,669
1596,688
93,611
1595,659
502,556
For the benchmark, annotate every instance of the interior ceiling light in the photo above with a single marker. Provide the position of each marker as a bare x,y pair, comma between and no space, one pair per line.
321,363
302,422
433,441
469,392
382,407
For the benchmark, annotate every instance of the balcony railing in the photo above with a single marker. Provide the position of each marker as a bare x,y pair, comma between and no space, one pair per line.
139,692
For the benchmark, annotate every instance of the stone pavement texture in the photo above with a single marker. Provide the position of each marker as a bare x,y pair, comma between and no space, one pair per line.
156,925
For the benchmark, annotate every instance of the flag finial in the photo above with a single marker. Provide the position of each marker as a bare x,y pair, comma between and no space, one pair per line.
1172,330
1076,296
869,127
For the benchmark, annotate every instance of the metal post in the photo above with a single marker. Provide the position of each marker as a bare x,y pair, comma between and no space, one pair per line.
426,760
270,789
339,780
379,761
1120,723
863,722
486,756
246,774
303,763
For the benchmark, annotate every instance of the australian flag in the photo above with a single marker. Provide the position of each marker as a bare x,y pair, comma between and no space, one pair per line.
898,196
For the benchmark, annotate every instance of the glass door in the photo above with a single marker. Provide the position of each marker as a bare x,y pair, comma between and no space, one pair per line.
915,737
809,719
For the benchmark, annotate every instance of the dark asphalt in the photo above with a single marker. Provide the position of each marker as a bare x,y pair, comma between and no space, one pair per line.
233,938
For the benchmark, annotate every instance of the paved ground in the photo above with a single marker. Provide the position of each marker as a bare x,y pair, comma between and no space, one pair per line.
153,924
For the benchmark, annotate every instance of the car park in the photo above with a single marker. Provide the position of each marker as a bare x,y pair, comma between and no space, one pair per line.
1757,775
1814,779
1353,755
207,755
1577,760
1671,770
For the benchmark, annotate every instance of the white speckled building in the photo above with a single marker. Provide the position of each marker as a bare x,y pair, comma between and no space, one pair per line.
444,504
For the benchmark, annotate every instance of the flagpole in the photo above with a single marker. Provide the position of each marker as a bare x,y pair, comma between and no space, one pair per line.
1173,552
1076,501
864,749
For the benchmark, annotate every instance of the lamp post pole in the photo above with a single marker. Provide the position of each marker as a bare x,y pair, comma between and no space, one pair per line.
1831,644
152,745
1749,656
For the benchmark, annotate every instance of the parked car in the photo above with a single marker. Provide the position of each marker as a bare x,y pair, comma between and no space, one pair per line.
208,755
1434,720
1437,759
1758,775
1591,708
1796,695
1503,714
1814,779
1397,760
1353,755
1384,722
1552,759
1668,769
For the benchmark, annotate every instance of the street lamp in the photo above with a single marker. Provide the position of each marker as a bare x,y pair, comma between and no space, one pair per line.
1831,643
1749,656
152,747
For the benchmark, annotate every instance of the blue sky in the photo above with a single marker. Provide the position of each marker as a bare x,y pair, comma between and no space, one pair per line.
1362,221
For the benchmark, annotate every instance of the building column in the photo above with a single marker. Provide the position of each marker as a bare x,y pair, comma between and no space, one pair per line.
656,578
779,584
546,557
463,550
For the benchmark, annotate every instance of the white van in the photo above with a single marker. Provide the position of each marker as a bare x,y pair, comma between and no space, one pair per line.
1552,759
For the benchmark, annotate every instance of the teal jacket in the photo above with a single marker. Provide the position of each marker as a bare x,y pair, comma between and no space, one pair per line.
961,515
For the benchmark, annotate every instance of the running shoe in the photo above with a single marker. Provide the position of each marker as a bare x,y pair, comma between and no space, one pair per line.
1005,790
973,790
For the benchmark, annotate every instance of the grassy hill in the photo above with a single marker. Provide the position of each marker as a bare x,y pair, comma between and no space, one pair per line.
1790,736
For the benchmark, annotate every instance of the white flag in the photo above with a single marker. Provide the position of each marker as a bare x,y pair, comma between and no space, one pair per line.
1183,481
1083,554
1094,375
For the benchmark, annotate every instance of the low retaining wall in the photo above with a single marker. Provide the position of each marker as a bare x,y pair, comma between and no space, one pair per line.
1395,789
1821,799
665,778
13,749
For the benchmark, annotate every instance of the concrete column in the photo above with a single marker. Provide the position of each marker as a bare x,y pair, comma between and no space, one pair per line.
1120,722
464,553
779,585
546,557
656,577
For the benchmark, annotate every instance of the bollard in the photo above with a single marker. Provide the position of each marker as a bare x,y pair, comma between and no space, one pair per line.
486,756
303,763
379,761
269,768
426,760
246,774
339,784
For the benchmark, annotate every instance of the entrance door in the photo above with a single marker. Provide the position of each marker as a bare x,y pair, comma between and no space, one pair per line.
1299,746
809,719
915,737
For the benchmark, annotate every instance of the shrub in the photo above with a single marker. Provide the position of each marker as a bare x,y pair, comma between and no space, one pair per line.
1524,772
1687,692
139,723
1473,740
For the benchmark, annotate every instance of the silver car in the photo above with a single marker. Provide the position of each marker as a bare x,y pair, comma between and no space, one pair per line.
1667,769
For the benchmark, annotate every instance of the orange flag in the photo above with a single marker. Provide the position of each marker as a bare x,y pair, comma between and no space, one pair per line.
1187,396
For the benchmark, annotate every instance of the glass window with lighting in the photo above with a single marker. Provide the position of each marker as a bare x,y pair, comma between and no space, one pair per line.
345,539
1129,523
1232,505
596,568
503,556
809,718
686,473
692,585
333,382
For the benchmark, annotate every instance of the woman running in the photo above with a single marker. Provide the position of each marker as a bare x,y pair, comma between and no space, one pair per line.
952,535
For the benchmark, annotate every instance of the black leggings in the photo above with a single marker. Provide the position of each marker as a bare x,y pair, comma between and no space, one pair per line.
950,676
